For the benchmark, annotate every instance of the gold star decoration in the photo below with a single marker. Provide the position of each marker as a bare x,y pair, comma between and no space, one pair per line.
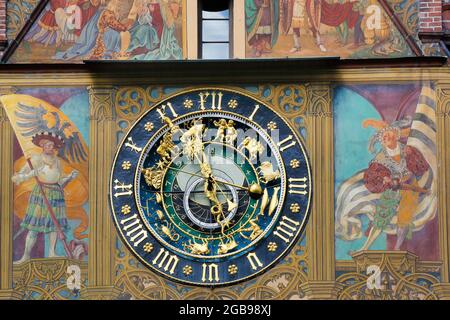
187,270
126,209
188,103
232,269
148,247
272,125
272,246
232,104
149,126
126,165
295,208
294,163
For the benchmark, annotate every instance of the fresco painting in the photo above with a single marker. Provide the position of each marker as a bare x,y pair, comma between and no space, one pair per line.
385,170
299,28
50,173
77,30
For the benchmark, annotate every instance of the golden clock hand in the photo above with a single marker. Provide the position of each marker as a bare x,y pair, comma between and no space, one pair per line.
255,190
231,204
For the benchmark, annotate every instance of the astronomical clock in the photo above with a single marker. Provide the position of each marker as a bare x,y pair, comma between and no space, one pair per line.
210,187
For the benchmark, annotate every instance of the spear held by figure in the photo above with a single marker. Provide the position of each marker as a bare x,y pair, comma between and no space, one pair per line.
47,138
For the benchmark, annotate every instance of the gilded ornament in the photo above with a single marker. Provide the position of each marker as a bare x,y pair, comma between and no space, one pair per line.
274,201
295,208
148,247
188,103
126,209
272,247
232,104
187,270
294,164
126,165
272,125
149,126
232,269
267,172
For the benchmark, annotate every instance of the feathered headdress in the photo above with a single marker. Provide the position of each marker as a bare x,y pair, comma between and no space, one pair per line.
402,127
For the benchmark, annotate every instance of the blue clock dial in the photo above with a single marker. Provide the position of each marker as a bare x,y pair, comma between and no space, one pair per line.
210,187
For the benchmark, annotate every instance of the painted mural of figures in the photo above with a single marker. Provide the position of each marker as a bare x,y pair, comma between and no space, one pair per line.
144,36
47,168
394,173
293,15
107,42
62,22
314,12
143,29
169,47
397,192
262,19
378,30
47,31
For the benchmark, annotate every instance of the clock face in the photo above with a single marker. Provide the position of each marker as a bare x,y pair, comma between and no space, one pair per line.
210,187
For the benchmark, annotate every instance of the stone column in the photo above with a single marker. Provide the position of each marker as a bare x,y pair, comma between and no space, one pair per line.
443,156
6,202
239,35
101,236
320,229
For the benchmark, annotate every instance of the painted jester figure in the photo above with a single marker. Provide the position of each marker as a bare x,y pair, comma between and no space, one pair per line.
394,173
48,169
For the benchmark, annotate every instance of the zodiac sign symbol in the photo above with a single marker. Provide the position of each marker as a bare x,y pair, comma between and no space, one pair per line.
197,248
274,201
254,228
226,131
225,247
264,202
153,178
169,232
266,170
166,146
253,146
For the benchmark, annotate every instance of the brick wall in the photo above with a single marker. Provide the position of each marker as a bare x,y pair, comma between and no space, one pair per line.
446,15
430,15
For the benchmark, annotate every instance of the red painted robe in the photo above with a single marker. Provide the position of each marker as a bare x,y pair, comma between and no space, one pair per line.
416,165
48,21
88,9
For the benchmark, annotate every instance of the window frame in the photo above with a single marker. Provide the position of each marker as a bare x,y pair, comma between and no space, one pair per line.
200,28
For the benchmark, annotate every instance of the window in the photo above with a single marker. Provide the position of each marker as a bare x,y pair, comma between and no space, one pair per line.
215,29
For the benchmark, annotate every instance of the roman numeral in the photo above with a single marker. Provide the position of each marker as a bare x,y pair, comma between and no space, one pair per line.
162,110
210,272
254,112
254,261
134,230
286,143
130,144
122,189
216,97
298,188
286,228
161,260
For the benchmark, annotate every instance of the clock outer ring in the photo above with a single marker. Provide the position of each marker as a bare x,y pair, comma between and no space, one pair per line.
299,235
